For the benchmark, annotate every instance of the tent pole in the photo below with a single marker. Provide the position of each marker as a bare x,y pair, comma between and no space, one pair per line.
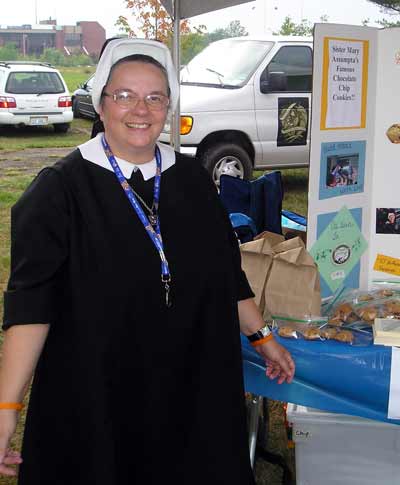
176,121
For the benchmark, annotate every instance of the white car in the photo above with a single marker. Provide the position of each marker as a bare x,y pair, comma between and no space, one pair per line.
34,94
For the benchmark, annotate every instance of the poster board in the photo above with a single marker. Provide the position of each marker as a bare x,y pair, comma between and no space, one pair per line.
353,229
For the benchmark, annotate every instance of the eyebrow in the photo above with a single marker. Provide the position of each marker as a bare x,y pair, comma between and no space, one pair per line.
131,91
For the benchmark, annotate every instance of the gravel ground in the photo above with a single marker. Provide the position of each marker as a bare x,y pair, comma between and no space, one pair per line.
30,160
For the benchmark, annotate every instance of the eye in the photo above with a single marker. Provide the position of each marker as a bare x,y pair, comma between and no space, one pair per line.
125,97
155,99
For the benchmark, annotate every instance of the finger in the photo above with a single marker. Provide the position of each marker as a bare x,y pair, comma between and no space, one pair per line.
12,460
5,470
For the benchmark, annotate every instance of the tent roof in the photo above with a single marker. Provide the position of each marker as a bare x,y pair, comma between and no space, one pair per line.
190,8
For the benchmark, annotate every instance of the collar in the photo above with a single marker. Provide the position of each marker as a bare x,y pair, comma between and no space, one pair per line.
93,151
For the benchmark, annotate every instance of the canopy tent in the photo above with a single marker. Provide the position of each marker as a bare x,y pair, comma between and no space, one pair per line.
184,9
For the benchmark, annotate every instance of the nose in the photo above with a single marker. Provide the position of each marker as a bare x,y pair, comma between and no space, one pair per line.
141,106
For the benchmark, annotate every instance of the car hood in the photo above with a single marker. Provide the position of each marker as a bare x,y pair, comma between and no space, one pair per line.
196,99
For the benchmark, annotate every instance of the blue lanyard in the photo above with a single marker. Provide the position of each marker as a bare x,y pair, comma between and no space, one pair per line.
154,234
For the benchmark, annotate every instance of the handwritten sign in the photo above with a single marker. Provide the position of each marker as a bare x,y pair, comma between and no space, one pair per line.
339,248
344,84
386,264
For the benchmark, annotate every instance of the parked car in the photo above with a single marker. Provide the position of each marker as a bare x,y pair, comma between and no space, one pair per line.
245,105
34,94
82,100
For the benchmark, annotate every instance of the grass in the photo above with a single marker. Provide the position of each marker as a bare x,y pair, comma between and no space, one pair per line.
75,76
19,138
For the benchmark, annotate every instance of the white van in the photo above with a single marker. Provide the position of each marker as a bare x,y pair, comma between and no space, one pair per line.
245,105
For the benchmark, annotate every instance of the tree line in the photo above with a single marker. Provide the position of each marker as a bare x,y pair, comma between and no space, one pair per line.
152,22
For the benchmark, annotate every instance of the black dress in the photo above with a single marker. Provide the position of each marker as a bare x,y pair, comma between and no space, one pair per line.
126,390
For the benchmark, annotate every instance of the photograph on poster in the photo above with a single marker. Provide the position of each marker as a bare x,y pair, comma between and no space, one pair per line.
388,220
393,133
342,168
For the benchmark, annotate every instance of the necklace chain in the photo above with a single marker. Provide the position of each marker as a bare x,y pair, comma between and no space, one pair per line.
152,213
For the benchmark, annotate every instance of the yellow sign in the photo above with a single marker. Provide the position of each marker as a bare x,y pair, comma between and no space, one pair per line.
386,264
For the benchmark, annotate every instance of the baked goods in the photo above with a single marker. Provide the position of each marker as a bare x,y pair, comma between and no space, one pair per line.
312,333
368,313
343,313
287,332
344,336
393,133
328,332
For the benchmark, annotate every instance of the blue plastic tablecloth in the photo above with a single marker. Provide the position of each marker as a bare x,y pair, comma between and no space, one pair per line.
330,375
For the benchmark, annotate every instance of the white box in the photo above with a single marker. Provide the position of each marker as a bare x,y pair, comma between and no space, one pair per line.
337,449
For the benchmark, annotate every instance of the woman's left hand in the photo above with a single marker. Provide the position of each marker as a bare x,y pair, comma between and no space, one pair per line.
278,361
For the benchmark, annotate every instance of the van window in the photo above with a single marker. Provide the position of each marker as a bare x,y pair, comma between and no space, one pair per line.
226,63
296,63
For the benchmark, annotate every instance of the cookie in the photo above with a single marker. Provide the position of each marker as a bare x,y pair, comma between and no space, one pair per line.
312,333
328,332
287,332
344,336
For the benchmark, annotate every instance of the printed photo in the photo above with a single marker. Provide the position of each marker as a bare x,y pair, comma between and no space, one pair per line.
388,220
342,168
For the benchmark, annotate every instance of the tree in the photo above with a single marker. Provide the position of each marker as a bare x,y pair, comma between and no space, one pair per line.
9,52
191,44
305,28
233,29
153,21
388,6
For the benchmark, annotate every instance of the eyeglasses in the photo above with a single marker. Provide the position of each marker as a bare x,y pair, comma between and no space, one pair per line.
128,99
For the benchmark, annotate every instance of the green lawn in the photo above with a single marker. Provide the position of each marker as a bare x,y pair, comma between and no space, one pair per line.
16,138
75,76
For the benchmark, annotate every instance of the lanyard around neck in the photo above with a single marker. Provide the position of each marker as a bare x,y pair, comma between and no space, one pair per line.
153,233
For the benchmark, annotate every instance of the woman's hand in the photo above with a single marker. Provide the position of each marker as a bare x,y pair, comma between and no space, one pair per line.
8,424
278,361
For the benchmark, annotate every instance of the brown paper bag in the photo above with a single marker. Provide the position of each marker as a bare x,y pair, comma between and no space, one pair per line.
257,258
293,286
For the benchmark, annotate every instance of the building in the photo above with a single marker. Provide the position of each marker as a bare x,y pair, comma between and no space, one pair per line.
85,37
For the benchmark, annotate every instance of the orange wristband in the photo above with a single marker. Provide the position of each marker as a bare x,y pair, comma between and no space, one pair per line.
262,341
11,405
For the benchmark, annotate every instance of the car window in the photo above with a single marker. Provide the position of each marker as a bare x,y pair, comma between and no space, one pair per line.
296,63
34,83
89,83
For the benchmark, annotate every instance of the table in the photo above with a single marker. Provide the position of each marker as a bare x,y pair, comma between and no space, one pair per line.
330,375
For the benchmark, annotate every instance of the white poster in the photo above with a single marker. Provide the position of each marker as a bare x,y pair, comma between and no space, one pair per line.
394,392
344,84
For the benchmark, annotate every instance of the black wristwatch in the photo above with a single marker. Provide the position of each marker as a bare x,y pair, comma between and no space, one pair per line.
260,334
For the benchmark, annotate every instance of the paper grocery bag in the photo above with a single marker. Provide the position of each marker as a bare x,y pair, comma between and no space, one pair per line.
257,258
293,286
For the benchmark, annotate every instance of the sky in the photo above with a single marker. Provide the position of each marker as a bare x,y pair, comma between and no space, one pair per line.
255,16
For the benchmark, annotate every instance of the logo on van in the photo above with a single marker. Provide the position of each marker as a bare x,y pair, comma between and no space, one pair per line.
293,121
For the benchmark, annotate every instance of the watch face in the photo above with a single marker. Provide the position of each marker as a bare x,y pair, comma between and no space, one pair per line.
341,254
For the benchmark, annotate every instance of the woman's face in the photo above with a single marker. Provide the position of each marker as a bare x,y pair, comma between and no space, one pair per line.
132,131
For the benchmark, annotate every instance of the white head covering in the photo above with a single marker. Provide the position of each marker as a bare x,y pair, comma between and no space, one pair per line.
118,49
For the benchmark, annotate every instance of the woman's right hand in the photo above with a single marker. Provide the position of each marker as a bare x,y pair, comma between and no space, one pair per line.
8,424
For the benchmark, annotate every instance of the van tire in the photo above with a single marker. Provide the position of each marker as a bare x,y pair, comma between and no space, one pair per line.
229,159
61,127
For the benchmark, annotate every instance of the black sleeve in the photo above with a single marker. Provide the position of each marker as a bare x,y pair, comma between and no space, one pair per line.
243,289
39,248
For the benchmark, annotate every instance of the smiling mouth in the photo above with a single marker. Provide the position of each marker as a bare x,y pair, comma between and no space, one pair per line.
140,126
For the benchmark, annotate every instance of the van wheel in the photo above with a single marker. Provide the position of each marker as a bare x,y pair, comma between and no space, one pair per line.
228,159
61,127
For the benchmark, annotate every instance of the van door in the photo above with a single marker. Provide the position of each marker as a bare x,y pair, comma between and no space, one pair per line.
282,110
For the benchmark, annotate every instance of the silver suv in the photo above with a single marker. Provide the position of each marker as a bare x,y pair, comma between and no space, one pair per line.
34,94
